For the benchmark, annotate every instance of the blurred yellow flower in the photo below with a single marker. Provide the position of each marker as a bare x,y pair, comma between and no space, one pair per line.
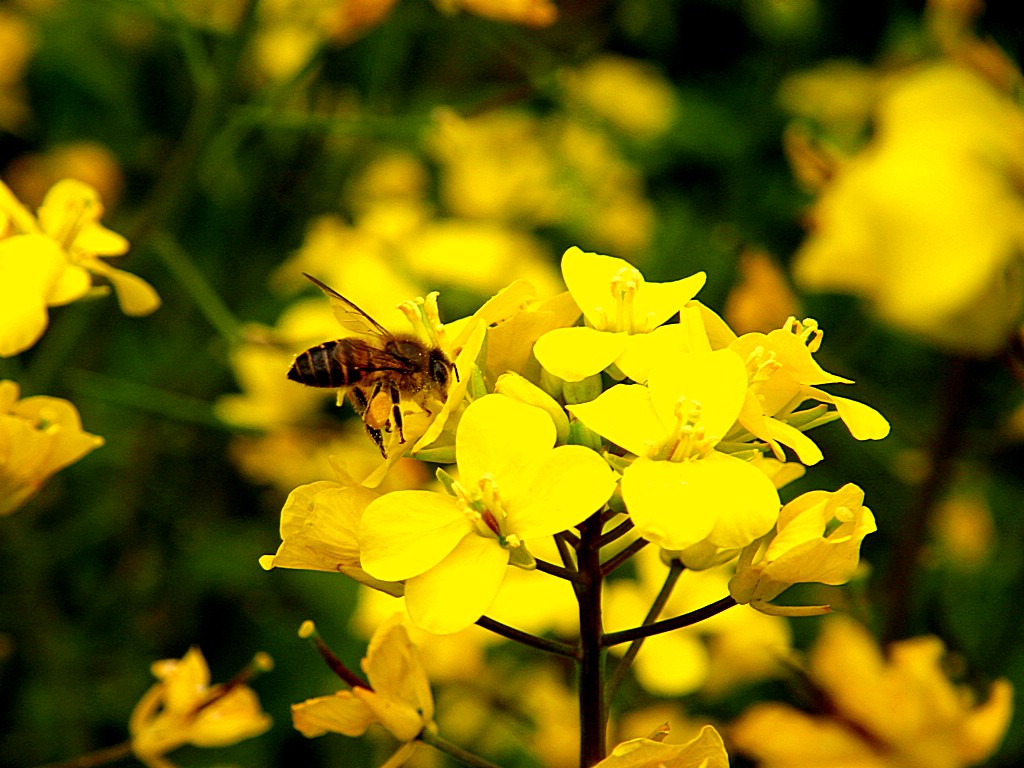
50,260
398,695
817,539
183,708
38,436
706,750
679,490
529,13
927,222
514,485
630,94
898,710
624,314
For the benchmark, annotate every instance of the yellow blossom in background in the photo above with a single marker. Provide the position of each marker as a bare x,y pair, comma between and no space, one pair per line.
38,436
183,708
927,222
30,176
817,539
898,710
398,695
514,485
706,750
761,300
624,314
529,13
680,491
17,44
51,260
630,94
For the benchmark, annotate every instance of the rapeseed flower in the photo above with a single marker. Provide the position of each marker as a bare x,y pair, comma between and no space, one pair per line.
183,708
396,695
680,490
706,750
817,539
927,221
514,485
624,315
38,437
50,260
898,710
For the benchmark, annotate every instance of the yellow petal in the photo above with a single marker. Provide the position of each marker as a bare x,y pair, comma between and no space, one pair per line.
458,590
499,437
405,533
575,353
135,296
341,713
717,381
863,421
669,503
624,415
570,484
30,265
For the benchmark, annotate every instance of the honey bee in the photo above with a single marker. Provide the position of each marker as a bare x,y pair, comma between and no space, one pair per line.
378,367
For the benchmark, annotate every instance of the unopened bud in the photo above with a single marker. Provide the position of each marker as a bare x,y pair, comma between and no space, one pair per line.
582,391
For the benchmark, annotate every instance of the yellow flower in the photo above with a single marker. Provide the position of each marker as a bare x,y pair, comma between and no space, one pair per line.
881,711
514,485
706,750
398,696
184,709
783,375
927,222
629,94
38,437
817,539
50,261
529,13
624,317
318,532
679,490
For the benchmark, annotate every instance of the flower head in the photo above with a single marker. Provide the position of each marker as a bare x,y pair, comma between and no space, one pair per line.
397,695
680,490
705,750
894,711
49,261
38,437
183,708
817,539
514,485
624,316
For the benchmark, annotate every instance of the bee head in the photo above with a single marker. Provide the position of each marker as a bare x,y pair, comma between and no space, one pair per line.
440,369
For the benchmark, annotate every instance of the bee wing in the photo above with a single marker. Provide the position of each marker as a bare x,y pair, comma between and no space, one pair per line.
349,316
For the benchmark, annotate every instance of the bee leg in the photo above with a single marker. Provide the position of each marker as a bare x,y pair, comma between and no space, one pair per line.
357,397
396,411
378,438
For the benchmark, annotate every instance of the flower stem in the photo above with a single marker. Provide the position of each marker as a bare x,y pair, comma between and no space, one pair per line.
99,757
460,754
674,572
525,638
622,556
667,625
591,663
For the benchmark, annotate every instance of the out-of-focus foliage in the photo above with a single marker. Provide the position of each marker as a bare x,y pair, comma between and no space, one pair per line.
392,148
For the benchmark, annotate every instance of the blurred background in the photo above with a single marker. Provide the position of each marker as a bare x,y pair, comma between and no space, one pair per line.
392,147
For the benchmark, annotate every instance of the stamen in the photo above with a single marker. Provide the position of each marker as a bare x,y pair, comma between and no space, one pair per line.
624,285
807,330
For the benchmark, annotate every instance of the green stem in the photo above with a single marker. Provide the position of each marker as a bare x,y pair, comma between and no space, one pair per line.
591,662
667,625
99,757
463,756
674,572
191,278
525,638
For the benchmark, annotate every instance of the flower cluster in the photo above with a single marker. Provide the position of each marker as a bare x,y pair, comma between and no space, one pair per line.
569,447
